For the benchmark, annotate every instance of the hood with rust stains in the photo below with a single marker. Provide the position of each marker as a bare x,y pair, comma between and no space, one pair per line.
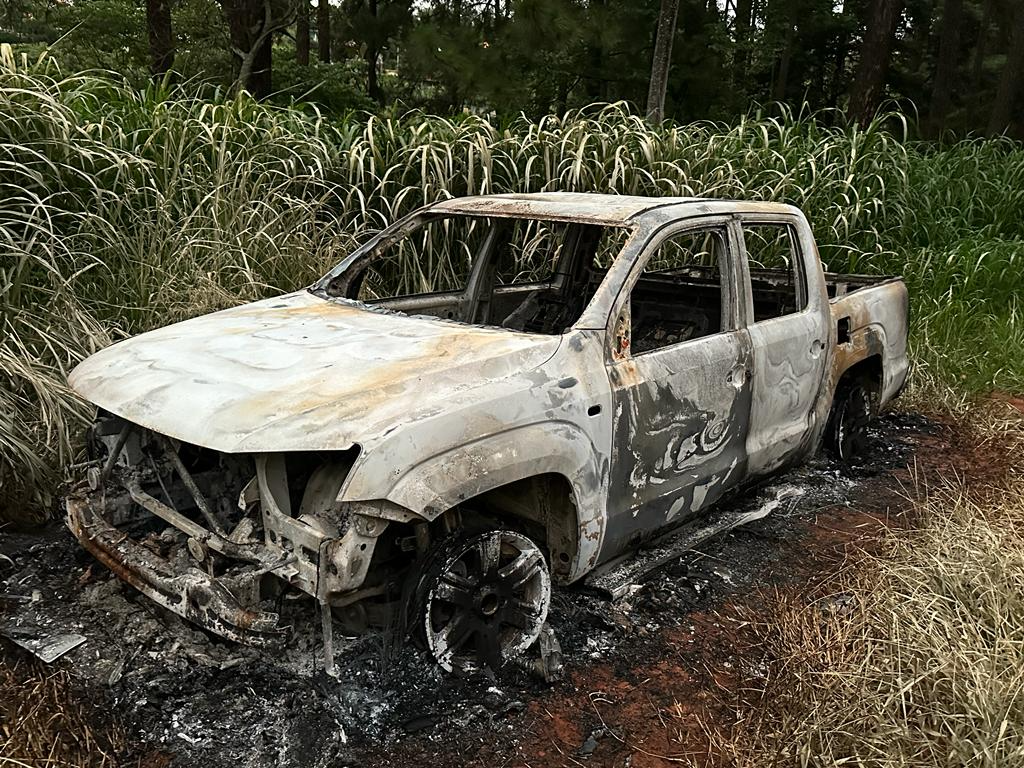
298,372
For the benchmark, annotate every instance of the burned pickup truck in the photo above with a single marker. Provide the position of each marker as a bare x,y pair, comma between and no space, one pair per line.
492,396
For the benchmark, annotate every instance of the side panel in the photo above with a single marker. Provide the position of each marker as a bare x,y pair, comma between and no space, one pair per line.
554,419
791,356
680,426
681,412
877,319
789,366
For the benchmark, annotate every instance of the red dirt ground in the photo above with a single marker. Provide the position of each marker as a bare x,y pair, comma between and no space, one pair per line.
667,709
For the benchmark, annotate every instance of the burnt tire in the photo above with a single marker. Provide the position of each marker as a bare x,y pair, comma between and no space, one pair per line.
846,432
481,599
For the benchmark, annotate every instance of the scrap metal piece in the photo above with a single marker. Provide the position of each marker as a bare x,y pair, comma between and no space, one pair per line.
115,453
619,577
190,484
327,626
48,648
197,549
549,666
214,541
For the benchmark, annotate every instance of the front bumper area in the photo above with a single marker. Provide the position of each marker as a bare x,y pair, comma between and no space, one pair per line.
187,591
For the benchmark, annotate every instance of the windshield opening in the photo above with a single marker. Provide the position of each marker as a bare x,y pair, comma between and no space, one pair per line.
527,275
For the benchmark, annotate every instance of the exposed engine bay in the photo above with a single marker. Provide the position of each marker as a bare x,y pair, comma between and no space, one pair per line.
225,534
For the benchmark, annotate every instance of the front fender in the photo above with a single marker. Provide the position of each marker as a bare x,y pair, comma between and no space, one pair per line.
553,447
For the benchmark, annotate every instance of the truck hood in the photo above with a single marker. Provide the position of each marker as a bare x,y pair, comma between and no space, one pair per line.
298,372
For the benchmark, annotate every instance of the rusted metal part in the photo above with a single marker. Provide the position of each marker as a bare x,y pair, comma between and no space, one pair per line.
214,541
409,417
186,477
190,593
613,210
876,320
115,452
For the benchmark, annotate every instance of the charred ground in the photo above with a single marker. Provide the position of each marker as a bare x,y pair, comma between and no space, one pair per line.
649,679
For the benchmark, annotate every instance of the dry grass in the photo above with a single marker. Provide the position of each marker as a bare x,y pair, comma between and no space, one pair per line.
45,722
921,665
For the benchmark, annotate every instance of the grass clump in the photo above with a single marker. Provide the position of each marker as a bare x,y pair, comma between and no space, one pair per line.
923,668
122,210
43,722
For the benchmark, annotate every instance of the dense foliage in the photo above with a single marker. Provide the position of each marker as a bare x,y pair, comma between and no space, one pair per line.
123,210
955,63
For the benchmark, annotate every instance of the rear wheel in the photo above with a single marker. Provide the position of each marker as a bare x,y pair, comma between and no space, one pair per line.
483,599
846,433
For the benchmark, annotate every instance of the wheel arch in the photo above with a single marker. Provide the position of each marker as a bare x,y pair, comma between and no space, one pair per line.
869,372
867,375
554,458
542,506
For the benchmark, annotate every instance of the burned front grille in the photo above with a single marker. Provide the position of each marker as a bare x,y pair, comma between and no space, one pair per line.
148,476
278,511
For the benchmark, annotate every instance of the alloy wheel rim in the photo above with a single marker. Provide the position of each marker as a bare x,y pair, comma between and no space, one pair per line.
488,603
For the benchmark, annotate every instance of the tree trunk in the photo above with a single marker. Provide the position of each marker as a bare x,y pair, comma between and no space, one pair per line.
562,97
741,54
239,16
1009,82
595,84
838,84
945,67
323,30
980,47
662,61
302,34
161,37
260,79
372,76
373,61
251,28
781,84
869,81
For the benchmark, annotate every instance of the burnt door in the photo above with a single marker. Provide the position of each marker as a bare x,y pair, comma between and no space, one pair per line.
680,377
789,322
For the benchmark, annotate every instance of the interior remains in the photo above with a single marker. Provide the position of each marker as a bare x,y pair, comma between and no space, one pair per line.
538,276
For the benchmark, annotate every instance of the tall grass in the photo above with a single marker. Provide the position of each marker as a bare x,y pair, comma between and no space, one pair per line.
123,210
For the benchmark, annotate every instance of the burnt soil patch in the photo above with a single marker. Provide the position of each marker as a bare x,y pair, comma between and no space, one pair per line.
648,680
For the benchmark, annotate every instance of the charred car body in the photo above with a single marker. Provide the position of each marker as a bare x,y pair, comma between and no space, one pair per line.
591,372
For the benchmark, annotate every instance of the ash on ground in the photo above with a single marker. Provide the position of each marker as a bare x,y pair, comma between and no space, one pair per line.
207,701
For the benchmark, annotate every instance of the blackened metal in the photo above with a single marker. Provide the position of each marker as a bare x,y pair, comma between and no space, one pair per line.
122,438
190,484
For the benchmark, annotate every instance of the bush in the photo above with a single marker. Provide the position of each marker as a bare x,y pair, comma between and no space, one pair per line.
335,89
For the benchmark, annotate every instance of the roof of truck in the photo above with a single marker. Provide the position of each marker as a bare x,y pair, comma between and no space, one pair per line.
586,207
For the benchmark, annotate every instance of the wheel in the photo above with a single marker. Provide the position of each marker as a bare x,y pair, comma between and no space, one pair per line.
846,433
483,599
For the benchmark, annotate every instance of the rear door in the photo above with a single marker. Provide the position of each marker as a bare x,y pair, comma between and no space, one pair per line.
787,317
678,367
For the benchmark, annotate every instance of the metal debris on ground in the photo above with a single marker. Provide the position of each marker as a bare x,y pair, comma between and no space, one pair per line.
46,647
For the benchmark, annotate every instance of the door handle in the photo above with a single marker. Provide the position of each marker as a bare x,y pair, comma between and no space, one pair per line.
737,376
816,347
